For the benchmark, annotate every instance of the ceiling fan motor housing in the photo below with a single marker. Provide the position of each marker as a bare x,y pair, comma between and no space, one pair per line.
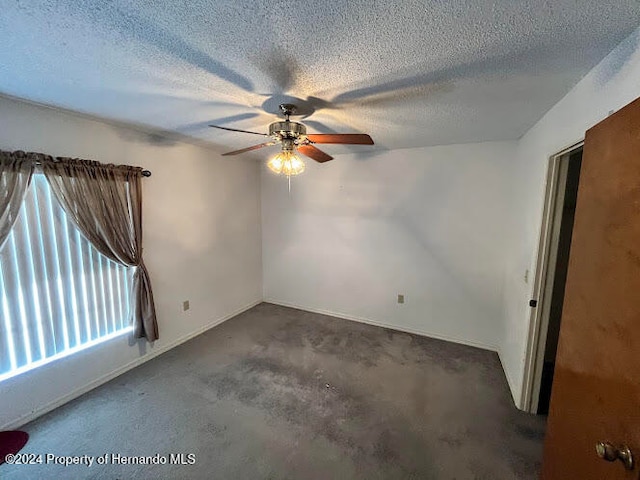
287,129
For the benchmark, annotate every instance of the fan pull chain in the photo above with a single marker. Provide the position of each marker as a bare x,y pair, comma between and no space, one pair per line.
289,179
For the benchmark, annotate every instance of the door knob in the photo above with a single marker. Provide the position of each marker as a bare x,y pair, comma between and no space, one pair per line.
608,452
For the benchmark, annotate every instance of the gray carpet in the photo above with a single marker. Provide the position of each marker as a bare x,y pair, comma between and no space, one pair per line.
280,393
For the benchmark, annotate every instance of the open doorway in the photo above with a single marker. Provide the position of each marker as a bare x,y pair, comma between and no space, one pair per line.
553,262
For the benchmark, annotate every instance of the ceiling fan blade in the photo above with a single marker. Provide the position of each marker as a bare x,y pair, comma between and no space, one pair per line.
314,153
248,149
343,138
236,130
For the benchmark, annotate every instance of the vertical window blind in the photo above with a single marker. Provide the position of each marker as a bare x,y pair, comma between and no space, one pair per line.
58,294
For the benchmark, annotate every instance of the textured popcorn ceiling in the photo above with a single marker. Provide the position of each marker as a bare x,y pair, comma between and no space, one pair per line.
408,72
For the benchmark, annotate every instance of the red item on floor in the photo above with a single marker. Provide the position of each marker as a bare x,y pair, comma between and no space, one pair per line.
11,442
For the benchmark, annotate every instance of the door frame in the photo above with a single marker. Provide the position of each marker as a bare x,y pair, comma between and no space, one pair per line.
539,315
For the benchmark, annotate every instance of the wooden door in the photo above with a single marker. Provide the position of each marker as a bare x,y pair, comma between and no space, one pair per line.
596,389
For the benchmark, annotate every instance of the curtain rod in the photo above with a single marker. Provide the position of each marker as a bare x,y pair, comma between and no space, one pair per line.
145,173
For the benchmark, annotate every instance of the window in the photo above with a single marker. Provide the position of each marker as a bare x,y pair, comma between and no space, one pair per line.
58,294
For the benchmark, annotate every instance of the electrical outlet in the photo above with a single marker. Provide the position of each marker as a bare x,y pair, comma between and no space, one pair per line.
185,305
400,298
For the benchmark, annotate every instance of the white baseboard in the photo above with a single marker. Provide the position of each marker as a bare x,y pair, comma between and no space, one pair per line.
24,419
376,323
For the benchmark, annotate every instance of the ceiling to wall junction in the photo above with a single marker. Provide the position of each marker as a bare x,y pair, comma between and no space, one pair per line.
410,73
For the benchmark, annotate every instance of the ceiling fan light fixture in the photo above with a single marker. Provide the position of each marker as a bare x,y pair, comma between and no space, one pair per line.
286,163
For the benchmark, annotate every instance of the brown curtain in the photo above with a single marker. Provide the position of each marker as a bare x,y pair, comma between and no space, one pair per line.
16,169
105,203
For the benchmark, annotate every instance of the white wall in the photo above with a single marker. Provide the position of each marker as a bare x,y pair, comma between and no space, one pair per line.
609,86
425,222
201,220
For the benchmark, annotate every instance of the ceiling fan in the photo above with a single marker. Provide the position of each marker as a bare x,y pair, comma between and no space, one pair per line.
294,138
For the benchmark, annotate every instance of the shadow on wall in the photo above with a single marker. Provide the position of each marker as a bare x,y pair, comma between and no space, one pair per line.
434,217
460,226
215,203
145,134
470,285
615,62
150,136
